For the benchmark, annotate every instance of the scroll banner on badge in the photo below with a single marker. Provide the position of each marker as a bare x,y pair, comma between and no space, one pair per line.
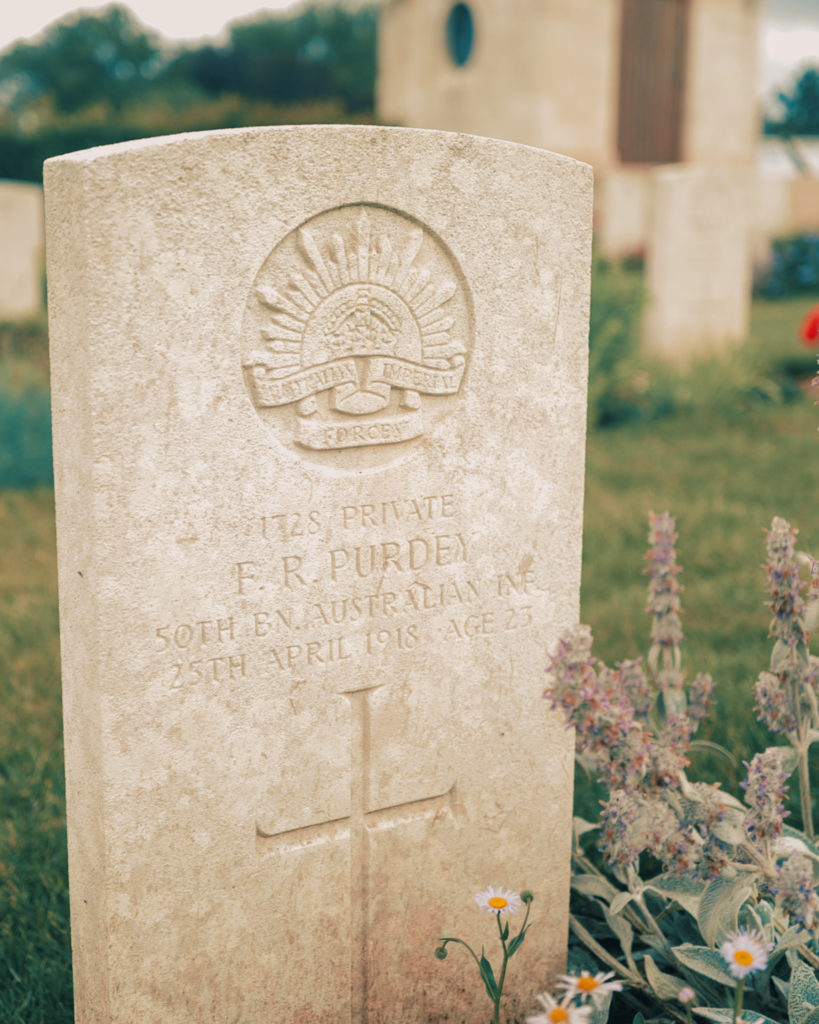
323,435
399,373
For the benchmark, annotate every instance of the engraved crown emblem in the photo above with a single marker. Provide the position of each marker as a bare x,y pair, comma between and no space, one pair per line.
355,327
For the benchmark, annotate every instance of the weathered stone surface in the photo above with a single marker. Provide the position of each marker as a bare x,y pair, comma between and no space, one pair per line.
698,267
319,407
21,250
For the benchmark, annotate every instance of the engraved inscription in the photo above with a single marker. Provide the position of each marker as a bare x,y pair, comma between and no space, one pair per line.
357,320
357,827
344,586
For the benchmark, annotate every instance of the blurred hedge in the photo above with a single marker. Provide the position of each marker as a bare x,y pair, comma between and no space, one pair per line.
22,156
793,268
25,439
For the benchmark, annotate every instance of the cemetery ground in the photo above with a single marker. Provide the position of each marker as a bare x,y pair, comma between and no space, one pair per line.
739,448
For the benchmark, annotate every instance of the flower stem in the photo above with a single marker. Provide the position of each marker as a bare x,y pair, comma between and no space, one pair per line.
808,955
503,969
650,921
604,956
738,999
804,791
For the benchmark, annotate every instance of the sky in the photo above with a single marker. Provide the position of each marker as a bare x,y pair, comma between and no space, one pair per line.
789,39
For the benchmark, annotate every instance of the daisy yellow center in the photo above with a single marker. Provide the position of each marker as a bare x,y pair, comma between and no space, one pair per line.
743,958
497,902
558,1014
587,984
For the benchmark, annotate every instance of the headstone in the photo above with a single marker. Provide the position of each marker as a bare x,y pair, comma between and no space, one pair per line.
771,213
21,250
698,267
623,216
319,406
805,204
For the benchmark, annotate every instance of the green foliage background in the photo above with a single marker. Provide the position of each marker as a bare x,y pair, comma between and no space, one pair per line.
799,114
96,78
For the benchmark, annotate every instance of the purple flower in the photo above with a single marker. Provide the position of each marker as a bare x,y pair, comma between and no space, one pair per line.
620,841
700,697
663,588
784,587
635,686
772,705
764,794
795,892
609,738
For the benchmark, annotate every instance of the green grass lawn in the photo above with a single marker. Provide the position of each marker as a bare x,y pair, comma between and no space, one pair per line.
733,455
35,969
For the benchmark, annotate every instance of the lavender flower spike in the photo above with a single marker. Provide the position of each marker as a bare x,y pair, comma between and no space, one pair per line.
764,794
784,586
663,599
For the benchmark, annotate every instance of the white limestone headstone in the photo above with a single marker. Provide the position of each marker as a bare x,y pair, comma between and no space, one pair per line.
698,263
319,400
22,260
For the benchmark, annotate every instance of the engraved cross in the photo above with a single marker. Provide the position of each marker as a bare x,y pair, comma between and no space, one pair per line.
357,827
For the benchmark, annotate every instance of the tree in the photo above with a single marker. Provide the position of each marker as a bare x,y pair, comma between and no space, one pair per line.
82,60
321,53
800,108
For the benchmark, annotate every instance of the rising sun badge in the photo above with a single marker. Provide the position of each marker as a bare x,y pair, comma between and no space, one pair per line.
357,319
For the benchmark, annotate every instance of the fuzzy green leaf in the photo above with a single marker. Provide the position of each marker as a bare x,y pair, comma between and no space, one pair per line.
704,961
790,759
684,891
719,907
638,1019
580,827
600,1014
675,701
783,987
713,748
593,885
723,1016
791,939
666,986
690,793
812,1017
804,993
731,829
794,833
620,901
624,932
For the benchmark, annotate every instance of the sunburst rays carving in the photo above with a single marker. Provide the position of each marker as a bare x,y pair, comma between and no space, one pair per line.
364,257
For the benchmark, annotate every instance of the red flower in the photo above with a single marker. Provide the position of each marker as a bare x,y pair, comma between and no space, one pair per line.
809,329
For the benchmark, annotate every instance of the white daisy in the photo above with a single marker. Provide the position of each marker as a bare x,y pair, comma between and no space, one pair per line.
745,952
596,987
560,1012
498,901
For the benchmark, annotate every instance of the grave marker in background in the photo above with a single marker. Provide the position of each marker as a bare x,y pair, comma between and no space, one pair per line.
21,250
698,265
623,218
319,401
